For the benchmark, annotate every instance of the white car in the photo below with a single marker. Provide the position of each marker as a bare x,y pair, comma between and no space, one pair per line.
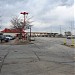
32,39
71,37
9,37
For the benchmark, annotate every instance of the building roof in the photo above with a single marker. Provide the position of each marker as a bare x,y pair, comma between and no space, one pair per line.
6,30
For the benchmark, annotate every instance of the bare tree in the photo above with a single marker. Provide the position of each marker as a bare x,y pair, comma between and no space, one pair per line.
17,24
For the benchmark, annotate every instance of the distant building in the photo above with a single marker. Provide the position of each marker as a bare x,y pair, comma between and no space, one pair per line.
13,32
42,34
68,33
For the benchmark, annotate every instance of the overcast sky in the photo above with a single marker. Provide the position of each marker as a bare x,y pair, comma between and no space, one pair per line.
48,15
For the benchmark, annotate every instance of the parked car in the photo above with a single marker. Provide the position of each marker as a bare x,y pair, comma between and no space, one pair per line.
32,39
70,37
3,38
9,37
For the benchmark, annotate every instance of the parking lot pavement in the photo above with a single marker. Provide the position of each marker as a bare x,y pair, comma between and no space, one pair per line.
11,42
45,56
15,42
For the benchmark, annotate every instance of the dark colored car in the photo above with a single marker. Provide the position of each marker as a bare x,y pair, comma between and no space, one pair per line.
71,37
3,38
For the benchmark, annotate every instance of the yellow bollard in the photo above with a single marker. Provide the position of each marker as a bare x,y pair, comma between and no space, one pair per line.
72,42
64,41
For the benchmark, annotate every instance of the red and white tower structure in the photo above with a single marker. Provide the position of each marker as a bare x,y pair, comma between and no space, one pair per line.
24,24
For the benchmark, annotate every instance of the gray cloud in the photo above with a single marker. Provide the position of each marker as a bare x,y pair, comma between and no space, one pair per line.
44,11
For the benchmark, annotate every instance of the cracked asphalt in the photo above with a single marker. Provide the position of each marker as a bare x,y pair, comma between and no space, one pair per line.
44,56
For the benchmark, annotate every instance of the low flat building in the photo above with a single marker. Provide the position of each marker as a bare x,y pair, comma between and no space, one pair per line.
42,34
15,32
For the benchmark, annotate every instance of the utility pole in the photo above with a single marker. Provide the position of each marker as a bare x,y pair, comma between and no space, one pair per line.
51,29
30,31
60,29
72,28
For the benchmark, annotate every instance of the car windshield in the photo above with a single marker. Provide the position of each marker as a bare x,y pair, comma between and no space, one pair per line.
8,35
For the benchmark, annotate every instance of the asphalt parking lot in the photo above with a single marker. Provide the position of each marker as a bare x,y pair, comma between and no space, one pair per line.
44,56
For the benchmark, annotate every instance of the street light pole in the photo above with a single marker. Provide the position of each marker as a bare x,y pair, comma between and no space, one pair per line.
60,30
30,31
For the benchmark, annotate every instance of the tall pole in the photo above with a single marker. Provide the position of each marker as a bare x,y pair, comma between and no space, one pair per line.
60,29
24,13
51,29
24,19
30,31
0,23
71,28
73,42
